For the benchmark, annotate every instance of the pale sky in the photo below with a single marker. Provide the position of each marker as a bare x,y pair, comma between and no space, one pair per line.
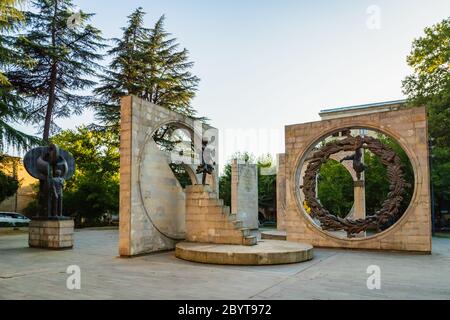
266,64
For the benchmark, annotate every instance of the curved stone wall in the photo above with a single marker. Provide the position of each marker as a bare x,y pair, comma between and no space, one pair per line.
413,231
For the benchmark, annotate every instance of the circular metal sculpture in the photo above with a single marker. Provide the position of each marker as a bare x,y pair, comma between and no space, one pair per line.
390,209
51,166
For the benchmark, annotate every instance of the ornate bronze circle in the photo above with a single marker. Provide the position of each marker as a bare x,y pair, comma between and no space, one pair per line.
390,209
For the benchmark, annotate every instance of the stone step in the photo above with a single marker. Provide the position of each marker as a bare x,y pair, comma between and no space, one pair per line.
232,217
213,195
226,210
250,241
238,224
246,232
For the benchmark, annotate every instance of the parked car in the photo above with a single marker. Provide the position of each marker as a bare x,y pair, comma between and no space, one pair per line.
10,219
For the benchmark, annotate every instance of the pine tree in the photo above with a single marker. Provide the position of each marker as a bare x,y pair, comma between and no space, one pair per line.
170,84
126,71
9,16
11,108
148,64
65,54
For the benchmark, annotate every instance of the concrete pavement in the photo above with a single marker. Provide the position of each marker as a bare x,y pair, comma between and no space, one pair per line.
27,273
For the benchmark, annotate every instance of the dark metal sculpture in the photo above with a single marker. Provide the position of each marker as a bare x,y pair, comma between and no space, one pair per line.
358,164
207,165
51,166
390,208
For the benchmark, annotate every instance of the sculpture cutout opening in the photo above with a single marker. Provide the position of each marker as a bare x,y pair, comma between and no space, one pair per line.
335,188
178,144
381,185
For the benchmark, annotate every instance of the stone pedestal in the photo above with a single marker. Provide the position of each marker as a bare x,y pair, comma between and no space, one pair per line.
51,234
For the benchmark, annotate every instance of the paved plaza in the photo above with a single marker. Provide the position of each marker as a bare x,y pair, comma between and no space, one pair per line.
27,273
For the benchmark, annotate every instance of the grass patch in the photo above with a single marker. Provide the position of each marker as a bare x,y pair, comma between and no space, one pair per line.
442,235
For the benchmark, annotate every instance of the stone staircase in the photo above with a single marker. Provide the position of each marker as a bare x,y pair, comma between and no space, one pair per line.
208,220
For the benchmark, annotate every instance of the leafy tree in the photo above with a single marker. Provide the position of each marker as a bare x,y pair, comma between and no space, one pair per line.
9,17
225,178
64,56
225,185
335,188
146,63
266,182
430,85
94,190
11,108
8,184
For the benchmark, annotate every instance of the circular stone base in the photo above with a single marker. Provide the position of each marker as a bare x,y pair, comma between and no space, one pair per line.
266,252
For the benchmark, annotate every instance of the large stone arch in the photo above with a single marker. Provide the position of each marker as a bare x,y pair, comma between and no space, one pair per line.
409,128
152,201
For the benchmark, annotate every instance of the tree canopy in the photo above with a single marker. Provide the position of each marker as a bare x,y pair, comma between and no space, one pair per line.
12,109
64,59
94,189
149,64
429,85
8,183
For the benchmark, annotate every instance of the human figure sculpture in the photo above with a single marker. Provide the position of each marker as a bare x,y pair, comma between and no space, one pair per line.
207,165
358,164
57,186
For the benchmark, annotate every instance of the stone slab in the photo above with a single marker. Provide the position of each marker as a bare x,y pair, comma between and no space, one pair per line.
244,193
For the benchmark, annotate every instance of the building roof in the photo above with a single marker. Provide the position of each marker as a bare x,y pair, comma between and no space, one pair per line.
362,109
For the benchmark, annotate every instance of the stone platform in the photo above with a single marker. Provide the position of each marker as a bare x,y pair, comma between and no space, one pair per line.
267,252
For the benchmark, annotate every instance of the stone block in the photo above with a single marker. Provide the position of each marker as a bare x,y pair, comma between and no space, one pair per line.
409,128
51,234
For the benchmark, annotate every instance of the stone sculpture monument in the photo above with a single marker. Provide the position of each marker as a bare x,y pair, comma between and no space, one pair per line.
52,166
405,229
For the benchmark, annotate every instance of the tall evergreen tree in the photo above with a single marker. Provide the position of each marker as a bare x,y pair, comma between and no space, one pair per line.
9,16
169,82
11,109
65,54
147,63
126,71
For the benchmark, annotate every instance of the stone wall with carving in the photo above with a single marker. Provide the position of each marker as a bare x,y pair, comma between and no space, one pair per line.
409,128
152,201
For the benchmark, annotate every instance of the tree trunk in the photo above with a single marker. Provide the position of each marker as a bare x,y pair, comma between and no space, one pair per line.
53,79
51,102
